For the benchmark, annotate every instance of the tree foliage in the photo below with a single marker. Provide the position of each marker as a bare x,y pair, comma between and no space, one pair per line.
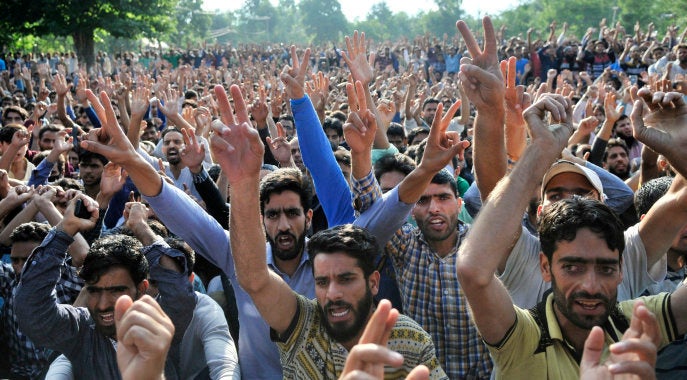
79,19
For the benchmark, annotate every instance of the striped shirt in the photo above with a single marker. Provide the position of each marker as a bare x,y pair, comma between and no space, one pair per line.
308,352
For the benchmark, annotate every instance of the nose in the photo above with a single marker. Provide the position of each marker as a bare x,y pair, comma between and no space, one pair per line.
334,291
590,282
433,205
105,301
283,223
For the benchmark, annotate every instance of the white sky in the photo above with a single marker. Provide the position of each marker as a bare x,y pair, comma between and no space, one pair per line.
353,9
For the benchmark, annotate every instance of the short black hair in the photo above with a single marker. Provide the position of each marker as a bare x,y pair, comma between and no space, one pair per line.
612,143
115,251
348,239
8,131
29,232
286,179
88,156
396,129
561,220
333,123
650,192
394,162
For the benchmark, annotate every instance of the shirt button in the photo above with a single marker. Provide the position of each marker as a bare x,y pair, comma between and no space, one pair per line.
445,292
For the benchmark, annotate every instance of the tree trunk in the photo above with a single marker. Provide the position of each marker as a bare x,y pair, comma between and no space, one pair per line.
85,47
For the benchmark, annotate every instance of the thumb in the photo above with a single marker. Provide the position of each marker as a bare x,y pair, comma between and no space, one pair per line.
637,117
593,347
123,304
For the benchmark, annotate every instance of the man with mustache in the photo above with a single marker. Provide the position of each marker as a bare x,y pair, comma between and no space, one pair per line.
313,336
113,267
581,255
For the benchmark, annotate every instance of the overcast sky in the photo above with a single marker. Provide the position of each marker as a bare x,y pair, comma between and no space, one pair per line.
353,9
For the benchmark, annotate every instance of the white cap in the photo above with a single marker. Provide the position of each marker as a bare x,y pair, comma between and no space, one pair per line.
564,166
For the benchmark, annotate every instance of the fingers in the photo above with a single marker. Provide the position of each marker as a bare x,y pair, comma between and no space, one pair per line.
470,42
593,348
489,37
226,113
239,104
420,372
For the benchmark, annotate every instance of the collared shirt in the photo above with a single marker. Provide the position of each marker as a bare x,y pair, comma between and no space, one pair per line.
519,355
27,359
430,289
62,328
308,352
432,296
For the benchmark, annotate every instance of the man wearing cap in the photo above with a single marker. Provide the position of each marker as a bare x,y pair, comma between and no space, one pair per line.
646,242
597,56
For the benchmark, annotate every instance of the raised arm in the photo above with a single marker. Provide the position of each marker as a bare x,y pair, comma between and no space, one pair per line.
332,189
239,151
491,306
482,81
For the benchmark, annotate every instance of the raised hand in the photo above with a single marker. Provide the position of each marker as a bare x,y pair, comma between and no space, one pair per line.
144,334
517,100
193,153
658,120
553,134
140,101
71,224
169,104
481,74
386,109
259,109
361,125
59,83
81,88
112,180
612,110
110,140
368,358
356,58
294,77
318,91
634,357
236,144
443,145
280,147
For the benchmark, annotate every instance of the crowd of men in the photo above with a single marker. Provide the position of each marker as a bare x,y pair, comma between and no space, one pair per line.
455,208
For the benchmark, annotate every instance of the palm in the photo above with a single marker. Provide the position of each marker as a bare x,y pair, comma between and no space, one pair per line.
239,151
112,179
193,155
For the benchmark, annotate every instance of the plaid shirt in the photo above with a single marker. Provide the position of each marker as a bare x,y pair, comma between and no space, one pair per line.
432,296
26,359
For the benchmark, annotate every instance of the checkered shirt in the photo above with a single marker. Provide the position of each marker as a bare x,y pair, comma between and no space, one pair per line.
432,297
26,359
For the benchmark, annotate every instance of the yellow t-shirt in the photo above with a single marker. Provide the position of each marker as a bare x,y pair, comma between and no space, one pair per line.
517,357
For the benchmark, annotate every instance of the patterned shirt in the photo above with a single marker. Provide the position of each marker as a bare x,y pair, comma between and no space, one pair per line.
308,352
432,296
28,360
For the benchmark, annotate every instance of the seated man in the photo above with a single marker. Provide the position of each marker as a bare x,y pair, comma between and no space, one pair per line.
26,359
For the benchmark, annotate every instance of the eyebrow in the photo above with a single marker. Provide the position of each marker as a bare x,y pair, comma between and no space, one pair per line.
120,288
580,260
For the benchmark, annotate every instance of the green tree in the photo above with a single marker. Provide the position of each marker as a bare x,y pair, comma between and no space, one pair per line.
323,19
80,18
256,19
192,23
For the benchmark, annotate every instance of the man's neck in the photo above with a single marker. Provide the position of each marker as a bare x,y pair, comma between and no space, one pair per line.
92,190
288,266
574,335
176,169
446,246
